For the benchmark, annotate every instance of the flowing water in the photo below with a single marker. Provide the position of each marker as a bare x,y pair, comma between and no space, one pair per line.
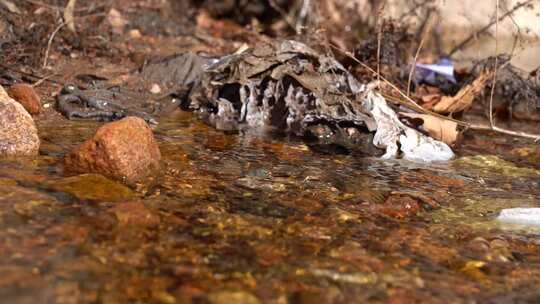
238,219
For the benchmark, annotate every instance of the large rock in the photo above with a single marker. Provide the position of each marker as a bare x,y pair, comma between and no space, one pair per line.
18,132
27,96
124,150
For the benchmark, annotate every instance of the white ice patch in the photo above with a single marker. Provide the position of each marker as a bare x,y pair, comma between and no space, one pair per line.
391,131
523,216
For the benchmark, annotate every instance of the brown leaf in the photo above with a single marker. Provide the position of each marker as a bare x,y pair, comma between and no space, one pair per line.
438,128
11,6
464,98
68,15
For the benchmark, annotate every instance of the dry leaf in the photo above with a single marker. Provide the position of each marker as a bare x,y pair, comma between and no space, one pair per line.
11,6
462,100
68,15
438,128
117,21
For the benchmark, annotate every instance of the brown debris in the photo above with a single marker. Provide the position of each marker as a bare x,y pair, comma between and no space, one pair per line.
438,128
27,96
462,100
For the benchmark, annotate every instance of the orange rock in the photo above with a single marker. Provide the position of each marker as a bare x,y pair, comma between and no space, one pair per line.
27,96
136,214
124,150
18,132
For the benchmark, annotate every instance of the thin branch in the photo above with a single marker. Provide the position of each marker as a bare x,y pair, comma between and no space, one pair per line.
413,67
50,42
496,65
42,80
414,9
485,28
380,22
303,15
286,17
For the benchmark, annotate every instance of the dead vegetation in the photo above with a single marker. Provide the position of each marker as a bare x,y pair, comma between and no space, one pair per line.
358,33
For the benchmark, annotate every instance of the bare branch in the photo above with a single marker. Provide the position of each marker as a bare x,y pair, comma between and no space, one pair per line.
485,28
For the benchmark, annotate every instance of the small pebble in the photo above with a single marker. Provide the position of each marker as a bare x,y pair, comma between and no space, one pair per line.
135,34
156,89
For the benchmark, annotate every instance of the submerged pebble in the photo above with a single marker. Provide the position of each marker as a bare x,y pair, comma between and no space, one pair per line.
494,163
135,214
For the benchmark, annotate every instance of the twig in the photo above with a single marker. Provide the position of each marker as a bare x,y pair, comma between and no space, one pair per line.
50,42
413,9
413,67
485,28
40,81
32,74
536,137
303,15
284,14
380,22
496,65
411,103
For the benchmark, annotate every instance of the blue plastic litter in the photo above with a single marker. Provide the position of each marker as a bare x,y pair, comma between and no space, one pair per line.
428,73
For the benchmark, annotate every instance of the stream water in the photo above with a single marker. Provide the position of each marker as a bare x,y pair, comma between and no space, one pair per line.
238,219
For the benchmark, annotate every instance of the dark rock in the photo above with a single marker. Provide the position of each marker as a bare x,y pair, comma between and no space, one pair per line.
18,132
27,96
124,150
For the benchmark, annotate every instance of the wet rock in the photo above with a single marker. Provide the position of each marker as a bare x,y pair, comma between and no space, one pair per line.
124,150
135,214
27,96
92,187
18,132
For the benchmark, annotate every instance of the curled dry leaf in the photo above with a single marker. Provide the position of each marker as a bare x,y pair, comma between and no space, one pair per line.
440,129
11,7
462,100
68,15
117,21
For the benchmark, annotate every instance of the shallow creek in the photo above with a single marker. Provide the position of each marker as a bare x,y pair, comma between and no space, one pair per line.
239,219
